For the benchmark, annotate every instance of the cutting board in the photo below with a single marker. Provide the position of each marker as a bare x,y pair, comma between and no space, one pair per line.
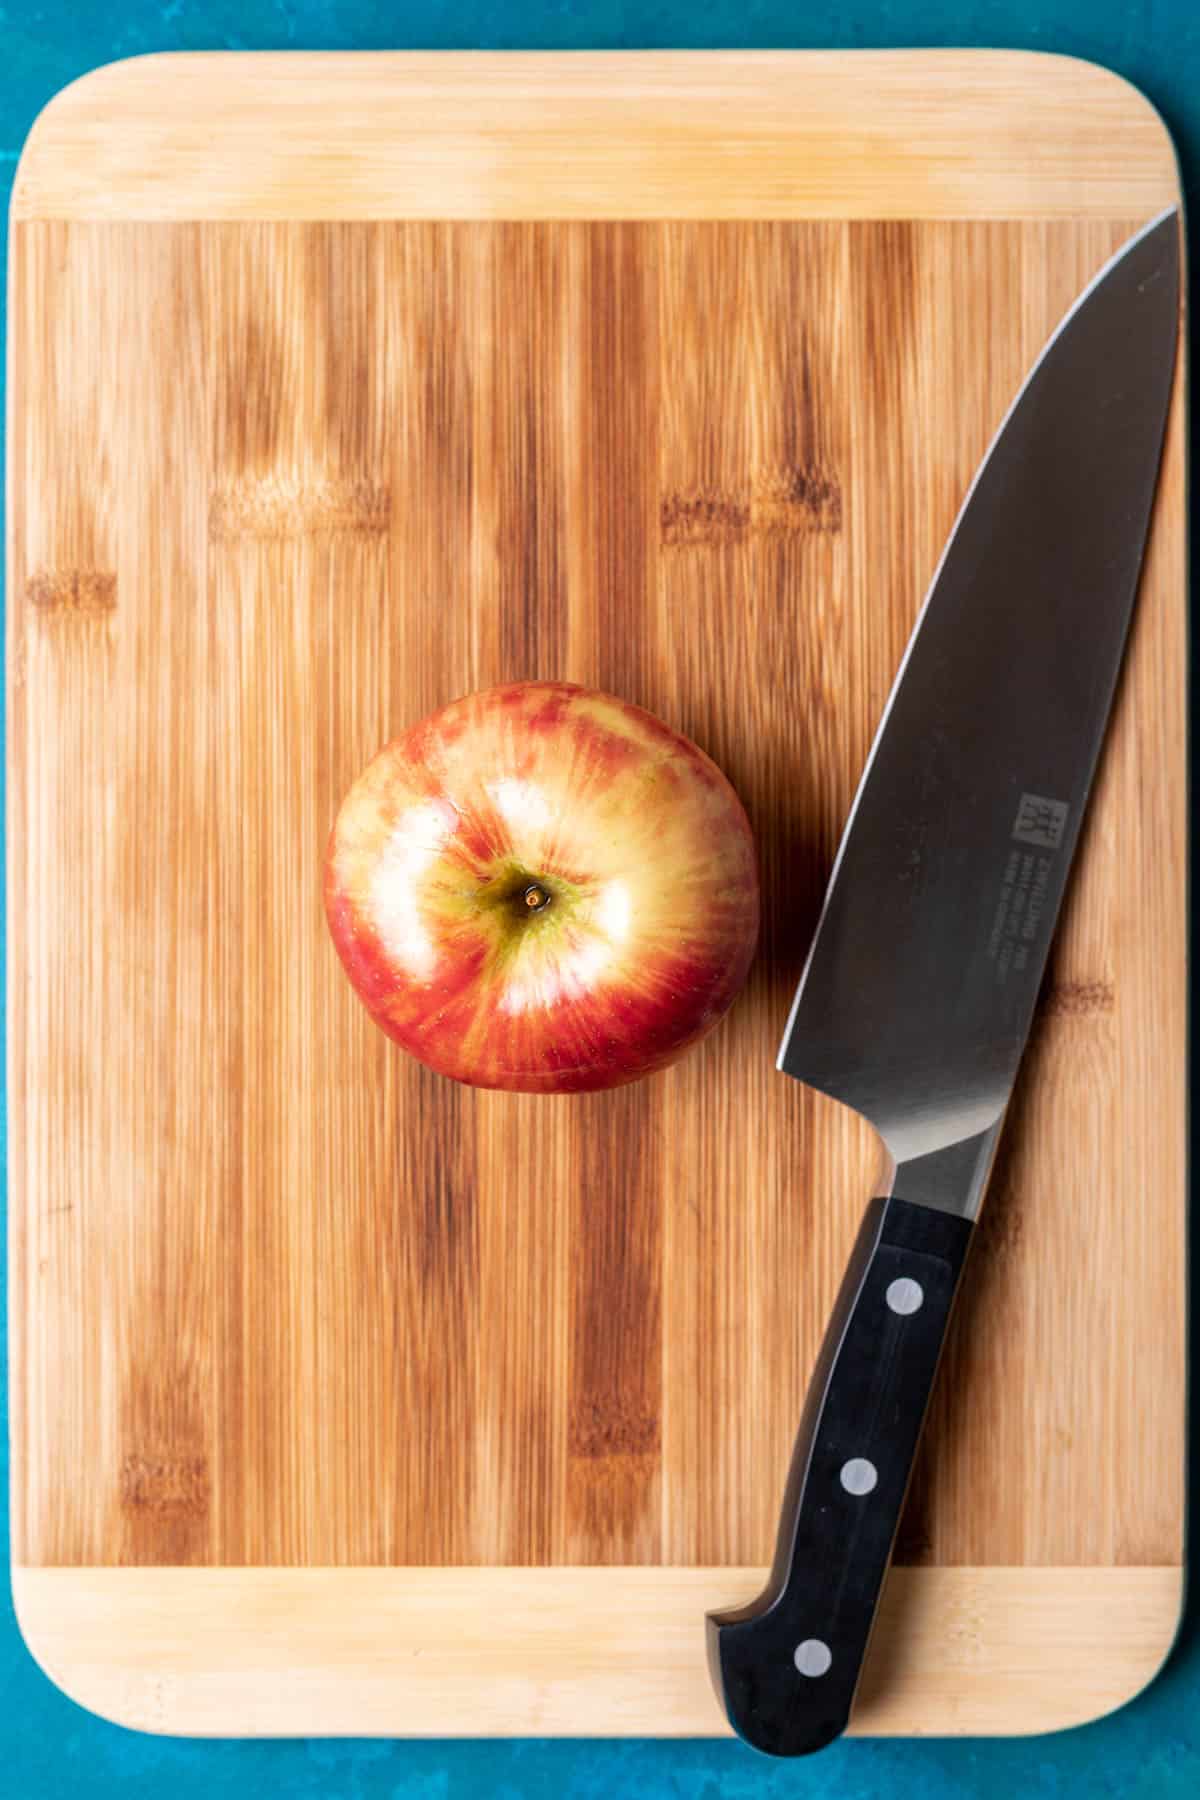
349,1401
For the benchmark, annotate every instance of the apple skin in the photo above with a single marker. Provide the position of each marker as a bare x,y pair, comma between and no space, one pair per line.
544,889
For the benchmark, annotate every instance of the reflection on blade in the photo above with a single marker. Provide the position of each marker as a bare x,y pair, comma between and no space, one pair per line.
917,996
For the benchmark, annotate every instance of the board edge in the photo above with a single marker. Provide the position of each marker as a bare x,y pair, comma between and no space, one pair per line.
928,1674
88,114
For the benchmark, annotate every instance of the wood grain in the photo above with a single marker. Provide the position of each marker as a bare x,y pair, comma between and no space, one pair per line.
280,1300
376,1652
643,135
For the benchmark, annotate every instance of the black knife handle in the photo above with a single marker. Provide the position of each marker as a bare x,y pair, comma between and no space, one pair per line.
786,1666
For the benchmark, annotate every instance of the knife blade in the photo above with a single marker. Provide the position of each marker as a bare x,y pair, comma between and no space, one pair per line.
919,989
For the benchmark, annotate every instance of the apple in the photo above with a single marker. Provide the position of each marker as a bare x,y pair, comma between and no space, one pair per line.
543,888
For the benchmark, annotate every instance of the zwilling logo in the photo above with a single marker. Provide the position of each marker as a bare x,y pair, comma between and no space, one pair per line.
1040,821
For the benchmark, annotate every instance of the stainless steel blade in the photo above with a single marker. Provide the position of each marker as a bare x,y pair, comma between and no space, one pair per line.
920,985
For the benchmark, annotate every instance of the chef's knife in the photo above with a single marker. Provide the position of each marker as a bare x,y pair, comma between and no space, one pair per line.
920,985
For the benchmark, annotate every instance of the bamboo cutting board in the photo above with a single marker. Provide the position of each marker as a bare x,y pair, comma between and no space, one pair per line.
346,1401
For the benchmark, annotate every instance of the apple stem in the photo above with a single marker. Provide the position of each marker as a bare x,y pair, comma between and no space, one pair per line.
536,897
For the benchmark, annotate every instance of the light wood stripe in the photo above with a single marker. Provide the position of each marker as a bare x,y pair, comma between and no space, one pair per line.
568,1652
681,134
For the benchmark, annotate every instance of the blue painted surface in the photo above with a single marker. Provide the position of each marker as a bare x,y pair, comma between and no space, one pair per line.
50,1747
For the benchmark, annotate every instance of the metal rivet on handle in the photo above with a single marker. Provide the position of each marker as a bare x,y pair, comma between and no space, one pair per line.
905,1295
858,1475
812,1657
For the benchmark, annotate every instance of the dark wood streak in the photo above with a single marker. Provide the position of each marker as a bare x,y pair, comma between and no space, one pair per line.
165,1486
69,591
796,499
617,425
432,1253
528,440
703,517
164,1478
436,1187
781,502
1078,999
614,1430
614,1398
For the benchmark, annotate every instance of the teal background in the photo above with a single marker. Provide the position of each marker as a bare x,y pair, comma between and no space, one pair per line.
50,1747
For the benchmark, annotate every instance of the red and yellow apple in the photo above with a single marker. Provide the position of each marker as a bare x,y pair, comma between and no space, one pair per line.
543,888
